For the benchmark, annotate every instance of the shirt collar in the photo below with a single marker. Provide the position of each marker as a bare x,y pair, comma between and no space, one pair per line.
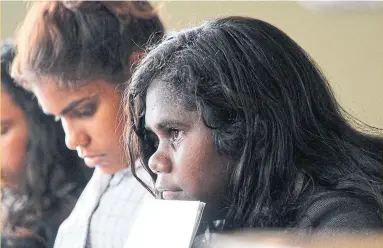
119,176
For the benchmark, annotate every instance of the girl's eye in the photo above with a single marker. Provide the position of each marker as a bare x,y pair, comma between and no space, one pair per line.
4,129
174,134
86,111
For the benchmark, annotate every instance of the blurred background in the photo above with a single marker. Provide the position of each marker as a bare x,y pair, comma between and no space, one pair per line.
344,38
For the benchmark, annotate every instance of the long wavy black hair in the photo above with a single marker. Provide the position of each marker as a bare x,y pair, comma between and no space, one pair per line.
54,176
271,109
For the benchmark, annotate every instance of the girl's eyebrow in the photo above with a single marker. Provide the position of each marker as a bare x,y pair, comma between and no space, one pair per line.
166,124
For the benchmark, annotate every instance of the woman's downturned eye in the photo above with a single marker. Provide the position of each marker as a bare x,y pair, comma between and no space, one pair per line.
88,110
175,134
4,130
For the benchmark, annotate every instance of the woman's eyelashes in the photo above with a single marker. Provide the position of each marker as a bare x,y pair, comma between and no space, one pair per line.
174,136
85,111
5,129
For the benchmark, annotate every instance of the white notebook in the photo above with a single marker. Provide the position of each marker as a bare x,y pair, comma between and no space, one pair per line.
163,223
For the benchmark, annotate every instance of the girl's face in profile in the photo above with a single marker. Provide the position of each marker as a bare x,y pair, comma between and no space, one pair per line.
187,165
14,137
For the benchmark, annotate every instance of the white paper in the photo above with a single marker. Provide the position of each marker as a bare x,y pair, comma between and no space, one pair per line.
165,223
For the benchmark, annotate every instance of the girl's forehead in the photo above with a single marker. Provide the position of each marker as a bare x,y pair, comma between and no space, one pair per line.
53,99
163,102
165,92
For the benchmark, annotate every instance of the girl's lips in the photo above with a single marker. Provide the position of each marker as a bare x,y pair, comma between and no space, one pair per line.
94,161
171,195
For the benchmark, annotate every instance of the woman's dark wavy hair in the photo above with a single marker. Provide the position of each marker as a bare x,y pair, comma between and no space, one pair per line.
76,41
271,109
54,176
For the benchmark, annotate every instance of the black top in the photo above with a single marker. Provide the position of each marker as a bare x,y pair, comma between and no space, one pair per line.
328,212
340,212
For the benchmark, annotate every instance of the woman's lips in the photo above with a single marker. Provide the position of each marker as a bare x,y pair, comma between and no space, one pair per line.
171,195
93,161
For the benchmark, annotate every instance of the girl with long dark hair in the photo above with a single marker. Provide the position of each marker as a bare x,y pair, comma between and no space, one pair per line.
235,114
